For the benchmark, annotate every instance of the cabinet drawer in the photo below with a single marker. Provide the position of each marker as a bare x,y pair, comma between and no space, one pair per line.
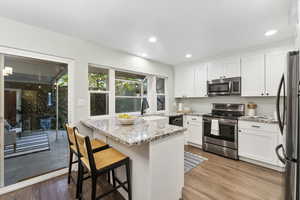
197,119
258,126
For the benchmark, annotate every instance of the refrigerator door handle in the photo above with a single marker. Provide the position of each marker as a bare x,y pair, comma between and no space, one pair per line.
280,122
283,160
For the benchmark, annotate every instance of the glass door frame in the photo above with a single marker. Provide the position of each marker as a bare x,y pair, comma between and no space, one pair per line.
71,107
1,120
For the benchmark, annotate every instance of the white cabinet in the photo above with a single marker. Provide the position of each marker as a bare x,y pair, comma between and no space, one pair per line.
275,66
215,70
261,73
194,130
200,80
190,81
257,141
253,75
225,68
232,67
184,81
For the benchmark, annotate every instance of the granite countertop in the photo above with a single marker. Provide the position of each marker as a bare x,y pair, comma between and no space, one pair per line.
260,119
190,114
196,114
143,131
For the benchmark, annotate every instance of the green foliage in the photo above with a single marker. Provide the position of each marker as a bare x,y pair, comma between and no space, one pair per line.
63,81
98,81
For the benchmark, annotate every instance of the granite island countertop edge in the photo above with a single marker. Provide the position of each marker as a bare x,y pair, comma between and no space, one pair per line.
154,138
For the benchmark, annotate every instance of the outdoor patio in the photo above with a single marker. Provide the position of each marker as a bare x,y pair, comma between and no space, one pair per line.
34,164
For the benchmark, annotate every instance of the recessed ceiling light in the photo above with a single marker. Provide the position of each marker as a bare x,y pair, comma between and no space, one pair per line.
144,55
271,32
152,39
188,55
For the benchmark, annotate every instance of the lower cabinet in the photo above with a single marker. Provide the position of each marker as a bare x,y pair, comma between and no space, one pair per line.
257,141
194,130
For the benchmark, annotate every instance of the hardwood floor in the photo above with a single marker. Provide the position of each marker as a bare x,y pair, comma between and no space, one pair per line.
217,178
58,189
225,179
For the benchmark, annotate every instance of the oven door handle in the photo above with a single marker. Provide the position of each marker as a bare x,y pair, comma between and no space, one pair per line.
221,121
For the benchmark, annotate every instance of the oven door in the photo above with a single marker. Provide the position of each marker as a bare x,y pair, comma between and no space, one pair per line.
227,133
219,87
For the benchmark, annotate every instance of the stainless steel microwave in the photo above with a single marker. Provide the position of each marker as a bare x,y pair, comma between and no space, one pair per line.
224,87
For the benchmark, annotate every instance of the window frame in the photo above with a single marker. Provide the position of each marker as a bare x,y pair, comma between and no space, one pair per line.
133,97
108,92
165,94
151,92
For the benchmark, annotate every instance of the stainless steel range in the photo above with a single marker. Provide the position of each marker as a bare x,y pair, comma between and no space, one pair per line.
220,129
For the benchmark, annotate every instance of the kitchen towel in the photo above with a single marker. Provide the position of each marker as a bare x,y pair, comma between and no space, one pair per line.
214,127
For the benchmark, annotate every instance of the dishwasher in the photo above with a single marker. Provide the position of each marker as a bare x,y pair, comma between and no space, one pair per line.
176,120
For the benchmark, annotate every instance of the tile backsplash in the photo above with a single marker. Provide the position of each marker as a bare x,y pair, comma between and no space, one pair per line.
265,105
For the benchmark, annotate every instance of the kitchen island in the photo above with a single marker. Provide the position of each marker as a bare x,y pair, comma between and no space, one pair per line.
156,151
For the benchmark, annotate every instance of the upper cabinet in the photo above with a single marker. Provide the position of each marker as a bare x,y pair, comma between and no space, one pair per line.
200,80
190,81
232,67
226,68
215,70
275,66
253,75
261,73
184,81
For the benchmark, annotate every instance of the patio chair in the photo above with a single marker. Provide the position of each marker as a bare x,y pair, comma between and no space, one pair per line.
10,135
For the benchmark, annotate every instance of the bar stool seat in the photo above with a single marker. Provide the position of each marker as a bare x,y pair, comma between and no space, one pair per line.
96,144
105,158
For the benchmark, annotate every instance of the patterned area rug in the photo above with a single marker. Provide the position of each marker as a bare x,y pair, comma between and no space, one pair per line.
28,144
192,160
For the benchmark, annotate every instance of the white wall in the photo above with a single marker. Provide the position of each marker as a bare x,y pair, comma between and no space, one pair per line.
266,105
297,41
21,36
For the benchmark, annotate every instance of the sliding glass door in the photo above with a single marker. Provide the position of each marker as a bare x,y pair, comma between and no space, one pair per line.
34,100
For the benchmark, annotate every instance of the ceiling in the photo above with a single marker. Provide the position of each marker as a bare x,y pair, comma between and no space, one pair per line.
202,28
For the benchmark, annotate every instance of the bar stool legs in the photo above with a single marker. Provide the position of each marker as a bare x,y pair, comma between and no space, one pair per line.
70,166
113,177
128,177
94,187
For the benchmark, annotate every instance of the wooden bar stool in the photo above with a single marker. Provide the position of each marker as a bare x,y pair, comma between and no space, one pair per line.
99,163
97,145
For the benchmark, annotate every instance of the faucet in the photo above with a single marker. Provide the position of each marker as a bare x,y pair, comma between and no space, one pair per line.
144,106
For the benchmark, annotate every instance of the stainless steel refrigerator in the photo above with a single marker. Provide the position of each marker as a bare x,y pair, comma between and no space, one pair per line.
288,105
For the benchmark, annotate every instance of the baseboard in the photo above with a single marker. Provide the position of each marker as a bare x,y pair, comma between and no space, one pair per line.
255,162
32,181
195,145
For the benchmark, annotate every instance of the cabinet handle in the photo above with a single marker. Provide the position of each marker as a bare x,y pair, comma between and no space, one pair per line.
194,119
255,126
262,94
267,94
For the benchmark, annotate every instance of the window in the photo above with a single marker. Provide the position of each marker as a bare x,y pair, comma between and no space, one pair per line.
160,94
130,89
99,91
